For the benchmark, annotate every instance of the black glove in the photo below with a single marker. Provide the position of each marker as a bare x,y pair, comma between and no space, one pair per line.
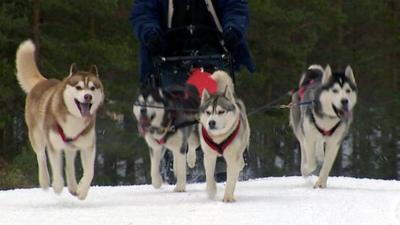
153,43
231,38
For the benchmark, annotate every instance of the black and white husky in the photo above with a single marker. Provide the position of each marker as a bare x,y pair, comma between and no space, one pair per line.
167,119
224,131
321,127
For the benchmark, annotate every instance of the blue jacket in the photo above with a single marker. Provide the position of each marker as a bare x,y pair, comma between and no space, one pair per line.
151,16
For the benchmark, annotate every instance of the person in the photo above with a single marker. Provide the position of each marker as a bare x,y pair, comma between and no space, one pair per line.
187,27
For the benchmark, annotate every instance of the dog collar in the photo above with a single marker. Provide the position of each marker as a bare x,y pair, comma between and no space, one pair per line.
65,139
325,133
220,148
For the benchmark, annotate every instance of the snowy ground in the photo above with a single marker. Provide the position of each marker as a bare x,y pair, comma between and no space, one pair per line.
286,201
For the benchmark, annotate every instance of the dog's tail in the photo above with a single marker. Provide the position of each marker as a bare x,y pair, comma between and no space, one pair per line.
314,72
224,81
28,74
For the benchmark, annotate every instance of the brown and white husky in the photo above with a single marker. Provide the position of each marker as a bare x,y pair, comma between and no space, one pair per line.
60,116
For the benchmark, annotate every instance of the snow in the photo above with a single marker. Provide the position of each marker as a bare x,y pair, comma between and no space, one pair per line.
280,200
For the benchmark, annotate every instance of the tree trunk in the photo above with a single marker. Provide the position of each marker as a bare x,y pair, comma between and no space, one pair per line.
396,55
92,24
339,28
35,24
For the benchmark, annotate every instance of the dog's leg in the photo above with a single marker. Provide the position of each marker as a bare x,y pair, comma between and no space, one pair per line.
155,158
39,146
87,157
55,157
310,163
193,143
180,170
331,150
303,158
70,171
209,166
233,164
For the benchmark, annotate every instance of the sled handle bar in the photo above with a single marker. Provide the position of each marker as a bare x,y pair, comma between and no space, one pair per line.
193,58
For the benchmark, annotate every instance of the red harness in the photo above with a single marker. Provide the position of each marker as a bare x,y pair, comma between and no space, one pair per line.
220,148
325,133
63,137
162,141
303,89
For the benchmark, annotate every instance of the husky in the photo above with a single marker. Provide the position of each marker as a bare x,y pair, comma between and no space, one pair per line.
167,119
60,116
224,131
321,127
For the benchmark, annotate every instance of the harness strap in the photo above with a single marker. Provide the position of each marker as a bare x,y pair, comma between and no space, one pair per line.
170,12
303,89
220,148
172,130
211,9
184,124
325,133
63,137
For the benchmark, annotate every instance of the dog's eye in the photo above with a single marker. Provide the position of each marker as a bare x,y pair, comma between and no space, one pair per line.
348,91
78,88
335,91
92,88
208,113
220,112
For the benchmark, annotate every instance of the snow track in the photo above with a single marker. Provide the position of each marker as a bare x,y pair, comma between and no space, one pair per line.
283,200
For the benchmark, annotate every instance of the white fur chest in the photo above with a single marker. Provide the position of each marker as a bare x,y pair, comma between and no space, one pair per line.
72,128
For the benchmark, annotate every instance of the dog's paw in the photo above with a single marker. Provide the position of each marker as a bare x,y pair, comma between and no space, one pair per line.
73,189
307,170
228,198
44,182
58,186
320,184
156,181
45,185
191,159
211,190
82,191
180,188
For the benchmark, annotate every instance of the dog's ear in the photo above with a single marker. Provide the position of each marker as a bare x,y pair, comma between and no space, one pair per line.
229,94
327,74
204,96
349,74
93,69
73,69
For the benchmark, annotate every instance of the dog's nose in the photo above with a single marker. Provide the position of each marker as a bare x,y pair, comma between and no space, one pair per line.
344,102
143,111
212,124
88,97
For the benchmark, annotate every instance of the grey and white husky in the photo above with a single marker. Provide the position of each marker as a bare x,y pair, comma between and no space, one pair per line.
167,119
321,127
224,131
60,116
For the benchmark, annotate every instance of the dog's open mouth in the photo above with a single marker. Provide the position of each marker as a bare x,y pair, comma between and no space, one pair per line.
344,112
84,108
144,123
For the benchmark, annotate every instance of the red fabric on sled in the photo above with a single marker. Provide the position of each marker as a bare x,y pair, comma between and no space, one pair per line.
202,80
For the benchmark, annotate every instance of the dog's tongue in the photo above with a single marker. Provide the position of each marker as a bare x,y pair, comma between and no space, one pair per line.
144,122
346,113
85,109
141,130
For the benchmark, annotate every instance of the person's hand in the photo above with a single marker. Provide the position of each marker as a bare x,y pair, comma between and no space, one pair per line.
231,38
153,43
